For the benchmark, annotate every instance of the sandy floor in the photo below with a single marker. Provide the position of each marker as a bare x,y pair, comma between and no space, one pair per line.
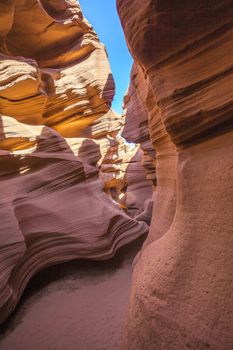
79,305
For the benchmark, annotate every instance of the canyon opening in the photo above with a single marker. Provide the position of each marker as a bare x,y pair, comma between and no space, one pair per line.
116,175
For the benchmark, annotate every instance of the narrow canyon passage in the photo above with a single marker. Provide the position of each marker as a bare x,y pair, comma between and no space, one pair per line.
76,305
116,201
76,194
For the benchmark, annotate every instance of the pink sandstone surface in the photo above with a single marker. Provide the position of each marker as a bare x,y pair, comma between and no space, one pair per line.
182,289
70,186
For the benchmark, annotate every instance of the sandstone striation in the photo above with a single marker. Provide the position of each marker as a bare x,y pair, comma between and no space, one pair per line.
182,291
136,129
58,136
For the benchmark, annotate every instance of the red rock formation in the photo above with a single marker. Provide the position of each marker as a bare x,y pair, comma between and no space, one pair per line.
136,131
182,292
125,180
56,129
136,128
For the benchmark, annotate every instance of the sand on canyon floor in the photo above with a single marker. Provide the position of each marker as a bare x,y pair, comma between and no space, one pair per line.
79,305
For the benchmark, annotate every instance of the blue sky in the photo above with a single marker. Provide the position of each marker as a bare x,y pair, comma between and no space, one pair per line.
102,15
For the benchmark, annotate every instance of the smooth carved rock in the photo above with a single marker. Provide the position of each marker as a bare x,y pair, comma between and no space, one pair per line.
54,71
136,127
182,292
57,135
136,130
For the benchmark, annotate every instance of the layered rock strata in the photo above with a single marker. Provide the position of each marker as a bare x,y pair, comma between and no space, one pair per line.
136,130
182,291
56,132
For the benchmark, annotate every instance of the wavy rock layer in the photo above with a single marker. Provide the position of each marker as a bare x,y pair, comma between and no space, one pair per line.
136,129
182,293
59,148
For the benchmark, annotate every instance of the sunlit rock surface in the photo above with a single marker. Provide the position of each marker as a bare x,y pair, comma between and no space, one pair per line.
58,135
182,292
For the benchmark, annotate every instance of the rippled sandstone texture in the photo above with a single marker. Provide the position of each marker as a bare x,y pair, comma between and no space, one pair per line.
58,136
182,292
136,130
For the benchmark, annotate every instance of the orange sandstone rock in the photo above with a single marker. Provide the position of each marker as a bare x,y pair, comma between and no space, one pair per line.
182,292
56,131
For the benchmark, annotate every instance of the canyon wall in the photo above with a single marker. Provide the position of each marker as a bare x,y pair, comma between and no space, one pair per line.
136,130
182,290
70,184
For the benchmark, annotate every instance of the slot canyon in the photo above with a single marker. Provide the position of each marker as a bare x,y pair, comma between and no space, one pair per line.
116,228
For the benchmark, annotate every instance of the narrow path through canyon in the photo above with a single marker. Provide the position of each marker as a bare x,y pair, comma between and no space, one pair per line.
79,305
84,186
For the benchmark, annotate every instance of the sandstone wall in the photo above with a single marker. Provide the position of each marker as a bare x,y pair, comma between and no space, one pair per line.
56,134
182,292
